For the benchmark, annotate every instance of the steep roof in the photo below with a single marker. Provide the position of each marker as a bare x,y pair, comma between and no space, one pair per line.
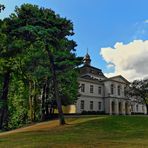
90,70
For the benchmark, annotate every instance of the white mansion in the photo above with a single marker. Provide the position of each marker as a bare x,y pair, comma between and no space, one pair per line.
101,94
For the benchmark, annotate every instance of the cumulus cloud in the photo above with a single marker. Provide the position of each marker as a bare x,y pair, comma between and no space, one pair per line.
129,60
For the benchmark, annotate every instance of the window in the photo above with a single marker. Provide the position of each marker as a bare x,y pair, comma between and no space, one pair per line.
143,108
125,91
91,88
99,90
99,105
82,87
112,89
91,105
119,90
137,107
132,108
82,104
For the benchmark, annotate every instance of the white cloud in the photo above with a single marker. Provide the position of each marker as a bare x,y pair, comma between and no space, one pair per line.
129,60
146,21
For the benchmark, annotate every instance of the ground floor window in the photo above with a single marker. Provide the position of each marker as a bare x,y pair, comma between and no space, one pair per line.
82,104
132,108
137,107
91,105
143,108
99,105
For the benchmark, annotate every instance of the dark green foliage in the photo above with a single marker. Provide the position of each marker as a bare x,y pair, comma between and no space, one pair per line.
139,88
40,59
18,103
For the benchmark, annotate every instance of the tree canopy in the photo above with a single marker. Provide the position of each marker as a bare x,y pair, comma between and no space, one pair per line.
139,88
38,56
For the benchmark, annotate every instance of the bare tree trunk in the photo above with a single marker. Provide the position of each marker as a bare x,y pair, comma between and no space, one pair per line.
43,103
46,99
34,100
56,89
30,102
4,101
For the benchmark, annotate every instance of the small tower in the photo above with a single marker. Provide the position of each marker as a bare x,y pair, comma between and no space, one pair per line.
87,59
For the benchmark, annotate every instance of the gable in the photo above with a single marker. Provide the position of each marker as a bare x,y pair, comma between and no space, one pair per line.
120,79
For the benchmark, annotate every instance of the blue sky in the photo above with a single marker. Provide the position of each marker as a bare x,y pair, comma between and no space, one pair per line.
97,23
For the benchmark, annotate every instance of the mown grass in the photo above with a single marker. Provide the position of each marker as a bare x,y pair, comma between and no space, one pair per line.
89,132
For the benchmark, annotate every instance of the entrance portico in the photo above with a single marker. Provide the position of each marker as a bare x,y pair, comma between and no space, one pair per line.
119,107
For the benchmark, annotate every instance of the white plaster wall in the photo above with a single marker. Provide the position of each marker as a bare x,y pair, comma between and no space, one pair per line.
107,105
107,85
141,108
104,97
87,104
95,90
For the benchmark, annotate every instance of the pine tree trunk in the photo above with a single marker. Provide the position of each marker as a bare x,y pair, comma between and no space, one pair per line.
4,101
56,89
59,104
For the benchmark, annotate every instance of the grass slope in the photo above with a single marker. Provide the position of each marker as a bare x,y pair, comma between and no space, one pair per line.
89,132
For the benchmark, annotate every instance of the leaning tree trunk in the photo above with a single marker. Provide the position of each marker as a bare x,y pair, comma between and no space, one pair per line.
4,101
56,89
59,104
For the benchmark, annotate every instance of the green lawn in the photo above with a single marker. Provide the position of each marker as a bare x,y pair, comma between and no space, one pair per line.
89,132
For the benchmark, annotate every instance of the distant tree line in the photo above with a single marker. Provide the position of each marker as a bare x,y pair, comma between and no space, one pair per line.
138,89
38,66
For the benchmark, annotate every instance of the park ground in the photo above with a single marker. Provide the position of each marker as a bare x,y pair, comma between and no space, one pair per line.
81,132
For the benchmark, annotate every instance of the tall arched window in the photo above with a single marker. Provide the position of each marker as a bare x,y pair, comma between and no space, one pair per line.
119,90
112,89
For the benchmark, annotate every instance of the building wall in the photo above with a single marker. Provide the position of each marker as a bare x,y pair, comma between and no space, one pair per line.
95,89
87,101
138,108
107,87
110,103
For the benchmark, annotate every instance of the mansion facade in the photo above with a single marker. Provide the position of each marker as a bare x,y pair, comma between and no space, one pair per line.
101,94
